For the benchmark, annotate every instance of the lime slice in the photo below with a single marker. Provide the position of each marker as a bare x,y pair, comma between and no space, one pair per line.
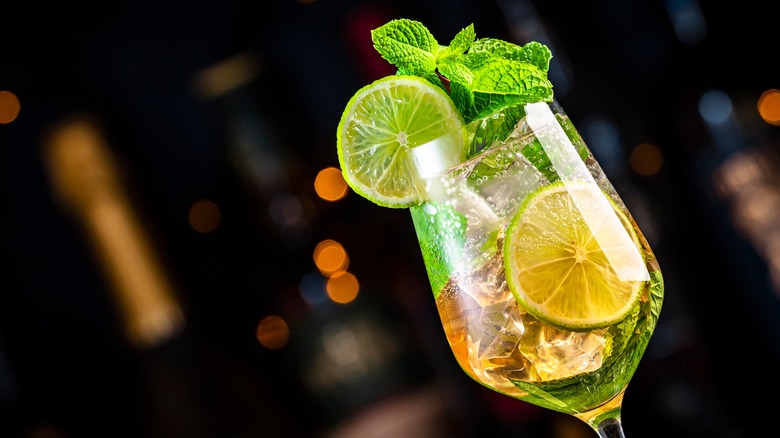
561,270
381,124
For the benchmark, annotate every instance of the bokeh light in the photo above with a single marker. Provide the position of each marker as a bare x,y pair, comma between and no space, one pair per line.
330,185
330,257
312,288
769,106
9,107
342,287
273,332
204,216
287,211
646,159
715,107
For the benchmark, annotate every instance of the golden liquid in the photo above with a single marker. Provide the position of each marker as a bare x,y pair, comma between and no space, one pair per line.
542,353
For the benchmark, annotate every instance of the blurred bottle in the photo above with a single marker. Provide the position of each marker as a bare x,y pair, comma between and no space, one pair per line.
88,183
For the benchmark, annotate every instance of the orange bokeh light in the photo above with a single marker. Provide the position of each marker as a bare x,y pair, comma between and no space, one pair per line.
9,107
769,106
342,287
273,332
330,185
204,216
646,159
330,256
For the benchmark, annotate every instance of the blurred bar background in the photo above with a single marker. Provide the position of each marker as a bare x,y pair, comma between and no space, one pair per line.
181,257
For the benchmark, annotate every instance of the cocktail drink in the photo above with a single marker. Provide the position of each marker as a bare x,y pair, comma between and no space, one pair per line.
547,290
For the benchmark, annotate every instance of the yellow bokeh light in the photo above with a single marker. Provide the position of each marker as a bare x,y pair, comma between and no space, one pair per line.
330,256
330,185
9,107
646,159
342,287
769,106
204,216
273,332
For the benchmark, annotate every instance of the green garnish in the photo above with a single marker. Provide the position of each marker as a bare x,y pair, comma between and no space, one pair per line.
481,75
441,231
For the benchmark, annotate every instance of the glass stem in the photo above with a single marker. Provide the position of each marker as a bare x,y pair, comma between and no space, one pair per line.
610,428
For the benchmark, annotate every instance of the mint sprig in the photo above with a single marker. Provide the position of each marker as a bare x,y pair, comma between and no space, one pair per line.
480,75
408,45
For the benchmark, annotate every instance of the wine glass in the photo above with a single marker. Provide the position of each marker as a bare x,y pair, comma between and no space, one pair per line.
547,290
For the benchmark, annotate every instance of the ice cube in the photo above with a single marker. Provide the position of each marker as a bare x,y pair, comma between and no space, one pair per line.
487,283
556,354
498,330
505,190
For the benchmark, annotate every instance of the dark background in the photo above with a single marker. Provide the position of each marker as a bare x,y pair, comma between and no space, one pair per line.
620,68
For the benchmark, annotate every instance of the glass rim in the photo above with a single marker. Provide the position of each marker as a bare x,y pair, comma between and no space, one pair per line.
445,152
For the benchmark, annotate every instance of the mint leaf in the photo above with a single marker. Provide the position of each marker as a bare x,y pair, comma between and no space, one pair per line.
460,78
533,53
432,77
496,48
408,45
537,54
499,83
460,43
504,76
457,72
463,98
